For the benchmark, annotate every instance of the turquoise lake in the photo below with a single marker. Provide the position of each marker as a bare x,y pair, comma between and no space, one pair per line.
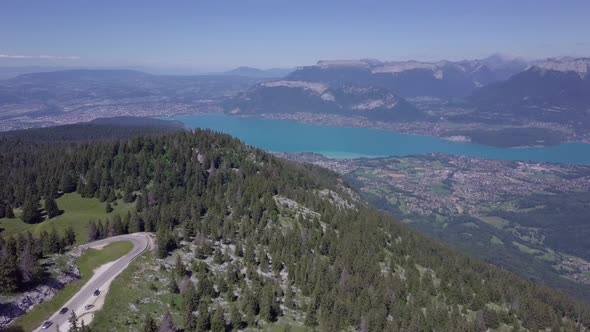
346,142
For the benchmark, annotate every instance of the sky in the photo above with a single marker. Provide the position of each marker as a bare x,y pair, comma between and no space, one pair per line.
218,35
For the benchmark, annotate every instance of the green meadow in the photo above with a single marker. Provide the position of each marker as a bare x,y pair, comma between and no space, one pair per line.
77,212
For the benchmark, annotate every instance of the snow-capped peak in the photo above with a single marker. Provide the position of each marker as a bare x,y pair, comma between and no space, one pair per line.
397,67
580,66
343,63
318,88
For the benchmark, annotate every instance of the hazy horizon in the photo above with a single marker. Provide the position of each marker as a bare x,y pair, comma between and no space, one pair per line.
212,37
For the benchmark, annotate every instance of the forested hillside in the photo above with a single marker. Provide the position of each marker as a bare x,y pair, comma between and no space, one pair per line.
254,237
98,129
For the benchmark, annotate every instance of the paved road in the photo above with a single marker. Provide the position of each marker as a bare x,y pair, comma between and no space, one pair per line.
85,295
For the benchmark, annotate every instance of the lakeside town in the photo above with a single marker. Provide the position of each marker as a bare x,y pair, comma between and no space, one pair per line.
511,199
444,184
90,110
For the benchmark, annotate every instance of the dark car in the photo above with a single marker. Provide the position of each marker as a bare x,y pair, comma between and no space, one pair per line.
97,292
89,306
46,325
63,310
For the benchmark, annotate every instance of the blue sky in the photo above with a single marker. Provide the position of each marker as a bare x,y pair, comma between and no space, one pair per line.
216,35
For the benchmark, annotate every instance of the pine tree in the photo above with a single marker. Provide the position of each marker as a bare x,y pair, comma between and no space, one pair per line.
101,230
111,196
179,268
289,300
149,324
102,196
92,232
125,223
8,272
35,245
173,286
190,321
311,315
117,227
268,305
190,299
235,317
218,320
249,255
9,213
165,242
73,320
108,208
27,265
204,320
135,224
128,197
53,242
31,213
205,286
67,183
51,207
83,327
69,236
251,307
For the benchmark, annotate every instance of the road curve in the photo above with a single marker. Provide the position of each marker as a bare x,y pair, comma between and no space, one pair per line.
85,294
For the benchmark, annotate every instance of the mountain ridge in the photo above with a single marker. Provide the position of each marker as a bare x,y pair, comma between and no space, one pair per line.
444,79
555,90
259,73
292,96
265,238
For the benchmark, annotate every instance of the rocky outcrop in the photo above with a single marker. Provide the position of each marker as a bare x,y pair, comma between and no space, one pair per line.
11,307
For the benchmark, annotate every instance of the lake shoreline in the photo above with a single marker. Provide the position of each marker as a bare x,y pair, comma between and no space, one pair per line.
293,136
441,129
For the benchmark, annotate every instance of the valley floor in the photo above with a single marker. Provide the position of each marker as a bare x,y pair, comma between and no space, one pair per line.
524,216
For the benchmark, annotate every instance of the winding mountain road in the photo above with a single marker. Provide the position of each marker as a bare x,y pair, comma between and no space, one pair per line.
86,294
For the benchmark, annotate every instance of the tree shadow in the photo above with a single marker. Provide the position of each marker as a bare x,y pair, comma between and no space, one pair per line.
13,329
46,217
39,217
12,311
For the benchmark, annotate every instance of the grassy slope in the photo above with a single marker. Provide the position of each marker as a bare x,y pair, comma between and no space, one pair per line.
132,287
78,211
91,260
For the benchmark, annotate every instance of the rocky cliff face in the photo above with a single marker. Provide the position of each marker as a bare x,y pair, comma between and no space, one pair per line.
443,79
291,96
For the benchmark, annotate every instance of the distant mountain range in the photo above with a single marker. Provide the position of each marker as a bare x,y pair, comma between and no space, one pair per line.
10,72
370,88
76,84
496,90
290,96
259,73
443,79
553,90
